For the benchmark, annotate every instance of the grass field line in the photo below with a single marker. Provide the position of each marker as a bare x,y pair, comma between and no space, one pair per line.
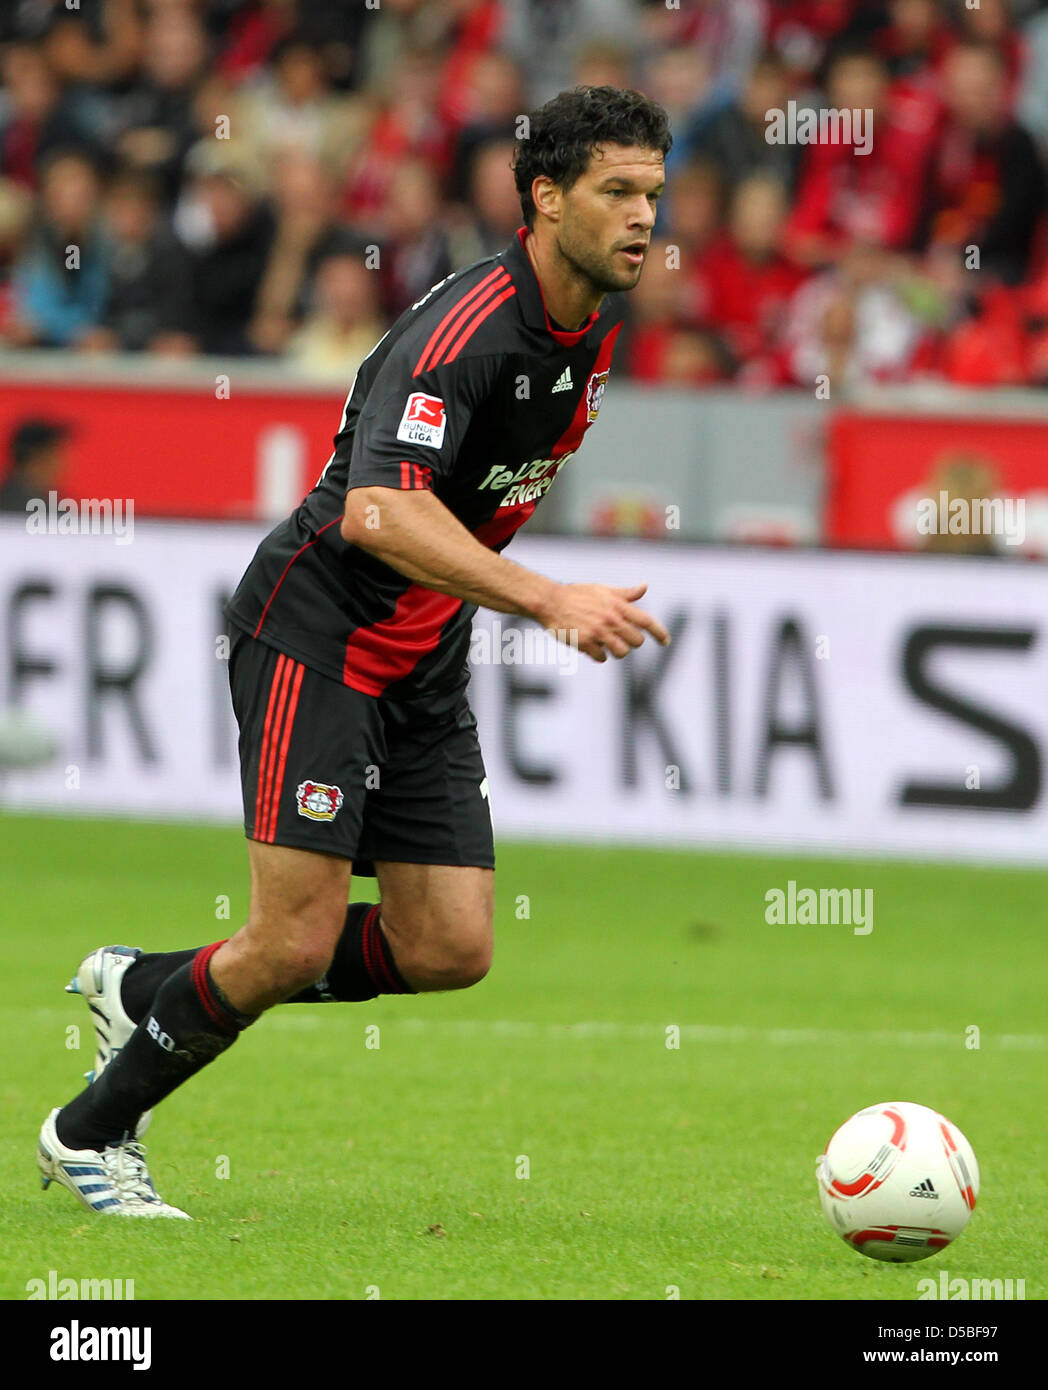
689,1032
297,1020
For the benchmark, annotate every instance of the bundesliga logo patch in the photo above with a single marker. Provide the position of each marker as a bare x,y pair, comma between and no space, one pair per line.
595,394
424,420
318,801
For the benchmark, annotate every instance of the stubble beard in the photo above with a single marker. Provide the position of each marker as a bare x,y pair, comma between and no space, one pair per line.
598,271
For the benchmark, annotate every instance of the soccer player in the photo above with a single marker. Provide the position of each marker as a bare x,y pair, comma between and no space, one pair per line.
348,666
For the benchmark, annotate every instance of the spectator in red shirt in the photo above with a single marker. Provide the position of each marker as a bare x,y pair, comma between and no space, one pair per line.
845,197
663,345
986,185
750,281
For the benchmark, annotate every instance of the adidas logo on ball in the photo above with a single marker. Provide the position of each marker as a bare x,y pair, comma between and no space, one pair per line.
924,1189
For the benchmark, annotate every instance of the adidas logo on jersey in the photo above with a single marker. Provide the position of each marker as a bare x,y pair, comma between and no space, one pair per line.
924,1189
563,382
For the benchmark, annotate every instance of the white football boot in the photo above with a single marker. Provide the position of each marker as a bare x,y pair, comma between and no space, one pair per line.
114,1181
98,979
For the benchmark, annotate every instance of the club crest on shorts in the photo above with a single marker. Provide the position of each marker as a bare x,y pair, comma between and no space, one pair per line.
595,394
318,801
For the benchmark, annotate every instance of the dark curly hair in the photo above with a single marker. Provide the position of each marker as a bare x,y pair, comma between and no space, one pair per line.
563,134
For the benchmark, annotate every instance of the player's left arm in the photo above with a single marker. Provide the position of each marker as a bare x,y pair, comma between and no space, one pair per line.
414,533
408,437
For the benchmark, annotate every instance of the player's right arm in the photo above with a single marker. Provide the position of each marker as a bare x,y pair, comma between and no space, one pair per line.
414,533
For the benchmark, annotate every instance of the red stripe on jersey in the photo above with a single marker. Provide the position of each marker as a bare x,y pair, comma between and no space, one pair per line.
389,650
274,741
472,314
274,686
415,477
475,323
278,785
505,521
276,586
498,273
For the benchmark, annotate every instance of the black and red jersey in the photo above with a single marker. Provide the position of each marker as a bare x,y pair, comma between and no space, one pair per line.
473,393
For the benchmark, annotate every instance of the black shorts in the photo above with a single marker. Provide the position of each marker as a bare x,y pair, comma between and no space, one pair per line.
327,768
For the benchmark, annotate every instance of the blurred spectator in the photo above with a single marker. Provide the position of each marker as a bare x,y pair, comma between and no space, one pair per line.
230,233
680,79
604,63
802,31
392,128
148,302
986,186
292,109
726,34
308,228
750,283
408,126
661,343
36,456
490,109
547,37
989,22
61,279
913,38
492,212
415,252
845,197
852,326
1032,99
35,118
691,219
156,114
344,324
735,139
90,59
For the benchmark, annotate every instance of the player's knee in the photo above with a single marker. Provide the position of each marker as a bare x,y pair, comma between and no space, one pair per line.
283,964
467,966
300,964
452,964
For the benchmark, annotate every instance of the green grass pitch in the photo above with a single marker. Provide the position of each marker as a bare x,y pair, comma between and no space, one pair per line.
398,1171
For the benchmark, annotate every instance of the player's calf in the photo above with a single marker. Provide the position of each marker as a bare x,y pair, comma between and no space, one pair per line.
438,921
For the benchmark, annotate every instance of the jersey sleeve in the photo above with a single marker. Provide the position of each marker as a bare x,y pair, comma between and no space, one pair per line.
412,425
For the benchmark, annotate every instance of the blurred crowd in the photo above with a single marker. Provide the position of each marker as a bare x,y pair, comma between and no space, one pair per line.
281,178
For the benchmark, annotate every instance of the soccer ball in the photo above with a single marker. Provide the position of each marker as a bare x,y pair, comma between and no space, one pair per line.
898,1181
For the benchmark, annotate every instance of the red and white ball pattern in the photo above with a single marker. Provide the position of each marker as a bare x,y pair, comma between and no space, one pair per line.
898,1181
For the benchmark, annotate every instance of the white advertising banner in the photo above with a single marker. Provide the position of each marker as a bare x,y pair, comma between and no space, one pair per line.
861,703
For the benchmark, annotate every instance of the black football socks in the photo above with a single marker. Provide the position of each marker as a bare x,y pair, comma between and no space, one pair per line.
362,968
190,1023
142,980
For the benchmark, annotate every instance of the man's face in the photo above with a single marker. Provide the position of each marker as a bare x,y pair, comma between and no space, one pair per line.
606,218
